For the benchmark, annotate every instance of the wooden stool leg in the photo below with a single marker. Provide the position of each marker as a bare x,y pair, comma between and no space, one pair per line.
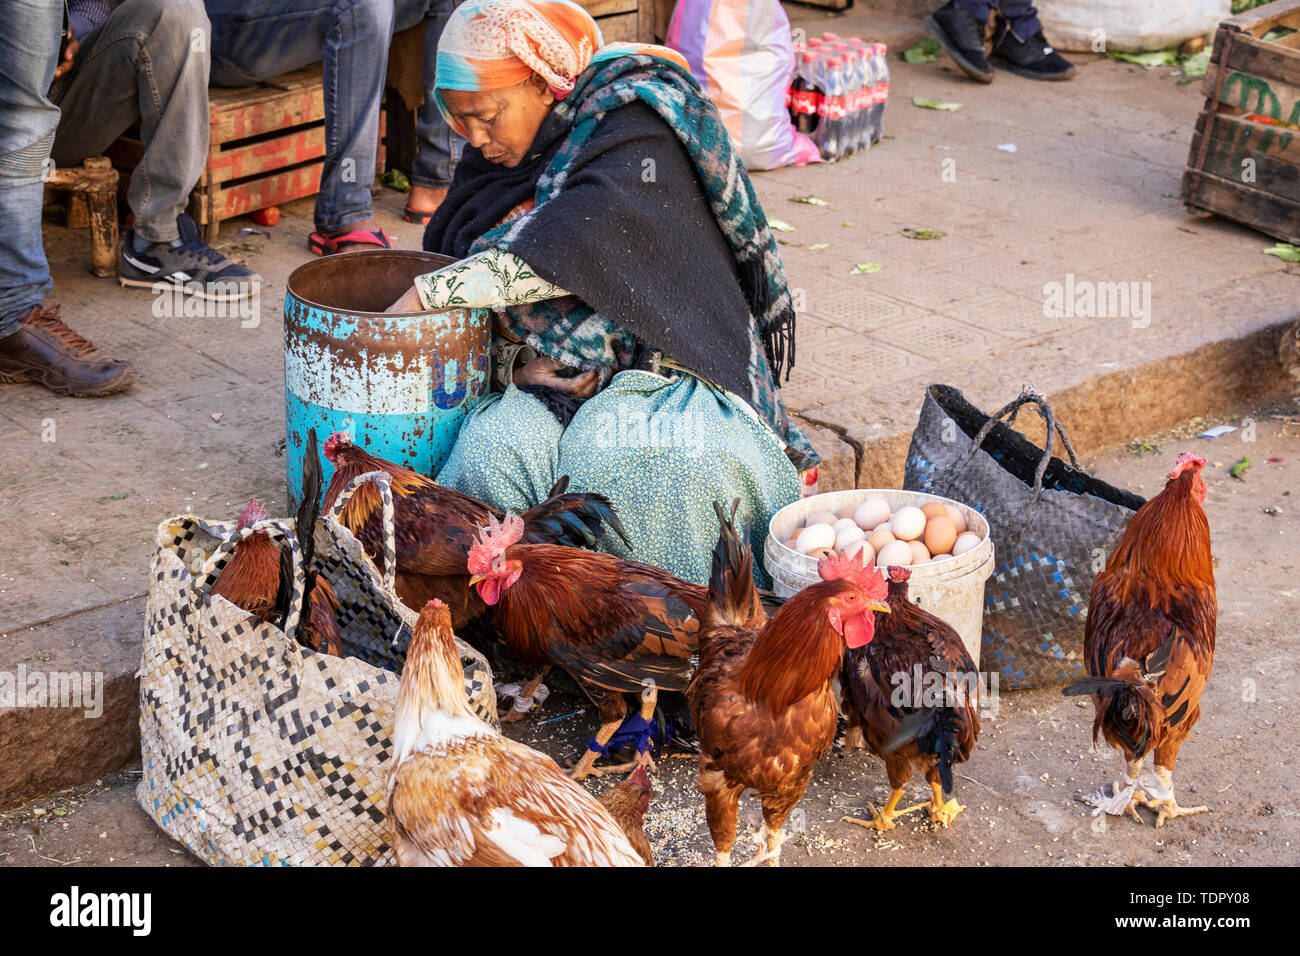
78,211
103,232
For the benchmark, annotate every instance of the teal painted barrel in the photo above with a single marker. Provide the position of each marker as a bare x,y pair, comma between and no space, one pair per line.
399,383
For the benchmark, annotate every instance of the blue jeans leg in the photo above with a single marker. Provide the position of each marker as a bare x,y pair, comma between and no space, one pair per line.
163,46
1020,15
438,148
349,38
29,49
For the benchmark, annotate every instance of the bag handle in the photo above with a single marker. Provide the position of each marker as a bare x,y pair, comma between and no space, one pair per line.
278,531
385,482
1028,396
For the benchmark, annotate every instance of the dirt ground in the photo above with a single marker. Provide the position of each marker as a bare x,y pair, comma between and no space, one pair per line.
1032,763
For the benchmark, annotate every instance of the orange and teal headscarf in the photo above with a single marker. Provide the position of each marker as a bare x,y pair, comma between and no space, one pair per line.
494,44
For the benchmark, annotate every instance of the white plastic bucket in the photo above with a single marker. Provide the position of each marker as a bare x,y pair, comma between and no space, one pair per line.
952,589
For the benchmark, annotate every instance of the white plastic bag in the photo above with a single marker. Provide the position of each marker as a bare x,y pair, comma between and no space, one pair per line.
1128,26
742,54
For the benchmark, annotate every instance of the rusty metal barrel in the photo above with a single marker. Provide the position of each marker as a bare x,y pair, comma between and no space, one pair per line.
400,383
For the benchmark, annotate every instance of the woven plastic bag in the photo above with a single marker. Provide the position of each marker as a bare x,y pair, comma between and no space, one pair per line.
743,56
255,749
1126,26
1052,526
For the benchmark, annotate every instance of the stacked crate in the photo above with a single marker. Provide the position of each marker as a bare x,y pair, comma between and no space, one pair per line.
1244,163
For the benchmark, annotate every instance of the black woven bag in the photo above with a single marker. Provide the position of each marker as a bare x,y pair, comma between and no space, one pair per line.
1052,526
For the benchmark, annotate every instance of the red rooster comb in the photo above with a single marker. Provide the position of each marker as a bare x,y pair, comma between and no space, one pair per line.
334,442
898,575
1185,461
252,514
493,540
835,568
640,778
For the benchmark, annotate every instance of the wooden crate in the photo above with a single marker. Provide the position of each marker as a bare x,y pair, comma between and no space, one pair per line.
1244,163
266,146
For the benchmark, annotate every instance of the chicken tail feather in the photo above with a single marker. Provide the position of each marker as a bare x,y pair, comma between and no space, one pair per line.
731,583
935,730
573,519
1127,707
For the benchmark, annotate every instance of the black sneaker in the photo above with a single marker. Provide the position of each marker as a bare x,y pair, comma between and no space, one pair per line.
192,264
1032,58
961,34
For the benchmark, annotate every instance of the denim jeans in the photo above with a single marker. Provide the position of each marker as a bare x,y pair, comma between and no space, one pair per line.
29,49
437,146
163,46
1020,15
254,41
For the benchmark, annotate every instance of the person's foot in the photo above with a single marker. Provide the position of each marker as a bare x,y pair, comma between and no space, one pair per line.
1033,58
46,352
961,34
364,225
189,263
423,201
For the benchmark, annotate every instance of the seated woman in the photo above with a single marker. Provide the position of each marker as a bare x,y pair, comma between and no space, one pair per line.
644,316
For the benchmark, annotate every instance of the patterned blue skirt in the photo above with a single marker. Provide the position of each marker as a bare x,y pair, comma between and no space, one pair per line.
661,449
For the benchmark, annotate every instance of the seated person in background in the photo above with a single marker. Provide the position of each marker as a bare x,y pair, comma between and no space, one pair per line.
254,40
146,61
604,211
133,61
1018,41
437,145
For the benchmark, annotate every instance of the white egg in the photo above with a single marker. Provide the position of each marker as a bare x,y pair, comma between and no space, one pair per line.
895,554
883,526
848,536
908,523
822,517
966,541
871,513
815,537
844,523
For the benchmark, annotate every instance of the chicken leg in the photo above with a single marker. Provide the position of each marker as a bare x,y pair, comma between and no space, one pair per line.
526,694
940,812
1163,801
649,701
583,769
883,820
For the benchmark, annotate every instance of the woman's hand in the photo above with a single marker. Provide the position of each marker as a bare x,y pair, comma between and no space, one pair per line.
543,371
409,302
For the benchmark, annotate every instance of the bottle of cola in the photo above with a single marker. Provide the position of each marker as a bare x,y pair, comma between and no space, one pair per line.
881,91
830,128
806,95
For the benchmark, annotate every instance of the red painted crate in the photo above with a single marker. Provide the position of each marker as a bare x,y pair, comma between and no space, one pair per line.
267,146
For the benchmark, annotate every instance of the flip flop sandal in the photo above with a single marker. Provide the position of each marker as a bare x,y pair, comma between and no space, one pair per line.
324,245
417,215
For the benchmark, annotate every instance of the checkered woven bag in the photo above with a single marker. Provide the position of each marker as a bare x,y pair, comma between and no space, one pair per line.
257,750
1052,525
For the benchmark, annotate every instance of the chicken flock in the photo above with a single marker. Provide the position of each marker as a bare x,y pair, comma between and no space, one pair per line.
765,681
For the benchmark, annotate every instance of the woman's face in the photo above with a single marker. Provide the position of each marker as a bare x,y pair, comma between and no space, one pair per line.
502,123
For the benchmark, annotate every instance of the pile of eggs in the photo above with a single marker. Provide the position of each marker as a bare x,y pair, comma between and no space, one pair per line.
874,534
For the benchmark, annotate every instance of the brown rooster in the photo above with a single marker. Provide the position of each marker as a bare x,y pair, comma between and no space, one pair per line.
1149,639
627,802
258,575
761,700
461,794
251,578
916,734
617,627
435,526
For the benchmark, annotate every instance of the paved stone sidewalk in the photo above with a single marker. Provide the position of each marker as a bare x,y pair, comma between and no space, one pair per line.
1090,191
